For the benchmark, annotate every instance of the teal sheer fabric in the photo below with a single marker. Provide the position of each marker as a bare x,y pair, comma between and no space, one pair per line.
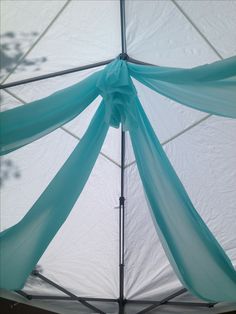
196,256
210,88
22,125
119,95
23,244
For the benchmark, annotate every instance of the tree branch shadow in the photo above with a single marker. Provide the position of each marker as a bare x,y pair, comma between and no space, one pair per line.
12,51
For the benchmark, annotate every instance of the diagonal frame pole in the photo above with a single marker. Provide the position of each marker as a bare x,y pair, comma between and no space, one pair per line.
71,295
165,300
55,74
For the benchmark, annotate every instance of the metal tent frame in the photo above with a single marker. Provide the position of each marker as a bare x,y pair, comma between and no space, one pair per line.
121,301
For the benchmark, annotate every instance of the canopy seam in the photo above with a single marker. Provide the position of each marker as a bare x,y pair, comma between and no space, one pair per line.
197,29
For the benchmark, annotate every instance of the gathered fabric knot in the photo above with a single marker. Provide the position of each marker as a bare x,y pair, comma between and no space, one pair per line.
119,95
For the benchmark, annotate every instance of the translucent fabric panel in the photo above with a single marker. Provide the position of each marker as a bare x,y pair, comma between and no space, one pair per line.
26,172
121,105
22,125
210,148
172,209
77,127
167,117
210,88
35,231
83,256
197,258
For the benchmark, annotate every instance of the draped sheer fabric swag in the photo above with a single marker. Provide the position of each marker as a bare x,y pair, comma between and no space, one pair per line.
197,258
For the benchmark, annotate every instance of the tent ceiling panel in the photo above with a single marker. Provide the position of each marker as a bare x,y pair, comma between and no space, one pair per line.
7,101
67,34
86,32
216,20
17,37
88,239
158,33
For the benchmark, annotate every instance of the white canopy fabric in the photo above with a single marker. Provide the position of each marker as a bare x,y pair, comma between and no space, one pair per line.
41,37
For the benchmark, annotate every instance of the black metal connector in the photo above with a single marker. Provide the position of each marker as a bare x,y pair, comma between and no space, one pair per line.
122,201
35,272
123,56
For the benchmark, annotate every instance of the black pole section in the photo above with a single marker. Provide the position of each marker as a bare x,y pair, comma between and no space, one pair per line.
163,301
82,301
55,74
123,55
131,60
121,227
123,30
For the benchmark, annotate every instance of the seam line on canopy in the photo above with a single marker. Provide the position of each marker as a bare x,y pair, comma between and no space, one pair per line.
101,153
67,131
178,134
37,41
197,29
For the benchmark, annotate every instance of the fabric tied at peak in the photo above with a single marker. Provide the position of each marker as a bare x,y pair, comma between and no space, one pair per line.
199,261
119,95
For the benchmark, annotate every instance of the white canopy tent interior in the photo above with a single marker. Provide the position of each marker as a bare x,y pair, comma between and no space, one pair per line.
40,37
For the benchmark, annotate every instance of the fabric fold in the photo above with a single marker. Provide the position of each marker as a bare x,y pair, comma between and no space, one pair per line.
210,88
23,244
25,124
197,258
119,94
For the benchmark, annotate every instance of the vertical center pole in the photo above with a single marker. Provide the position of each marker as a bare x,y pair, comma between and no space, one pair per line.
121,227
123,28
122,198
